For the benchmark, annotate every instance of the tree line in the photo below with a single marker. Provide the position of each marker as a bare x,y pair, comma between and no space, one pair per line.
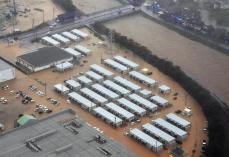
217,113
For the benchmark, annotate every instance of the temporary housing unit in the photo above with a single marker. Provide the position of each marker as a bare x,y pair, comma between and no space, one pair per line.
126,62
164,89
117,110
105,92
116,88
149,141
107,116
83,50
130,106
173,130
62,89
178,121
80,33
98,99
161,135
126,83
143,102
7,72
94,76
50,41
115,65
84,80
61,39
84,102
70,36
73,85
63,66
100,70
142,78
159,101
73,52
145,93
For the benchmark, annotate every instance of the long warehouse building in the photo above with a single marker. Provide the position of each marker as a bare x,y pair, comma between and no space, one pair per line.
70,36
159,101
7,72
126,62
102,71
105,92
50,41
93,96
126,83
142,78
84,80
94,76
178,121
115,87
115,65
73,85
61,39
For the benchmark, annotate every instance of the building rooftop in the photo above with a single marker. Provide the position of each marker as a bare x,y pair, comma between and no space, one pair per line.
4,65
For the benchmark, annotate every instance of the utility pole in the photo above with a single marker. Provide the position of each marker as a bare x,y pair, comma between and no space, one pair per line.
53,13
14,5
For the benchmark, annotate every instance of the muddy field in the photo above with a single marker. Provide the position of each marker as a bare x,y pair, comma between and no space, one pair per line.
22,82
90,6
208,66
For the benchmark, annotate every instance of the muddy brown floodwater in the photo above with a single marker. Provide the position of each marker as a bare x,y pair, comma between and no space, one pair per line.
206,65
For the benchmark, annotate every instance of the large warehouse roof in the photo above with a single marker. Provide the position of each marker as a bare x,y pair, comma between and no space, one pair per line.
4,65
45,56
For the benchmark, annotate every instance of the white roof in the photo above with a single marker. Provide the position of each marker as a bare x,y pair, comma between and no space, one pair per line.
145,138
145,92
159,133
82,49
115,65
164,88
63,66
73,52
126,62
144,102
116,87
119,110
51,41
159,100
61,38
105,91
94,75
61,88
101,70
127,83
79,33
109,116
84,79
142,77
93,95
82,100
70,36
170,127
73,83
178,119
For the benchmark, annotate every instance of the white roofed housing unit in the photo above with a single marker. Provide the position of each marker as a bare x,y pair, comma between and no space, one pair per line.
126,83
7,72
84,80
64,66
173,130
94,76
61,39
70,36
142,78
178,121
93,96
149,141
131,107
50,41
116,88
83,50
107,116
143,102
117,110
62,89
159,101
163,136
101,70
84,102
73,52
164,89
126,62
105,92
115,65
72,84
80,33
145,93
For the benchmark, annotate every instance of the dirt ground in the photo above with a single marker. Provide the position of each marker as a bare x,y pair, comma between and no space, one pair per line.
22,82
90,6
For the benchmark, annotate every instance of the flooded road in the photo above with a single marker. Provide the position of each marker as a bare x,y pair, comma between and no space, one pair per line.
206,65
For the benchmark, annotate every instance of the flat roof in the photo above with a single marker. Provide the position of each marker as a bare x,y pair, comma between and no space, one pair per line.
142,77
61,87
64,65
84,79
93,95
51,41
94,75
101,70
45,56
178,119
80,33
127,83
73,52
82,49
82,100
4,65
124,113
70,36
60,38
73,83
116,87
126,62
159,100
116,65
145,92
105,91
164,88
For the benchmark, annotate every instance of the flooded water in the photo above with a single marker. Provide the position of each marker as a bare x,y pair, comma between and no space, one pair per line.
208,66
